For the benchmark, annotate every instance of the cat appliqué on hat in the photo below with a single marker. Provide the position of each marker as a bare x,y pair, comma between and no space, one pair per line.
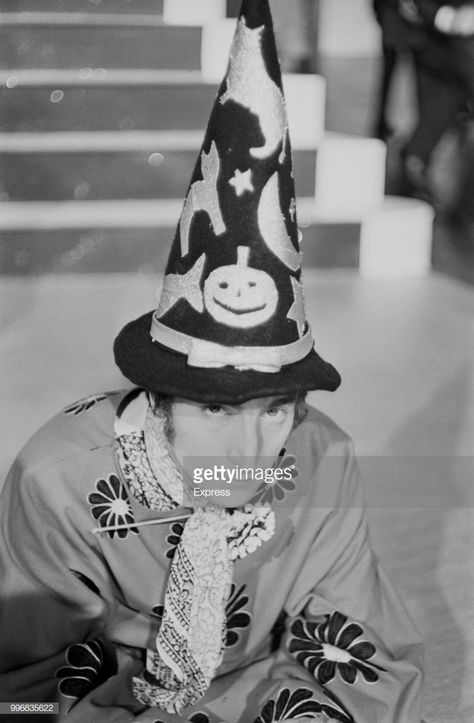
232,292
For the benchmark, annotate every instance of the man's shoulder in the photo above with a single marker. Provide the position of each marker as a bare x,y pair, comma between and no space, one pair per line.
61,465
79,428
318,433
324,427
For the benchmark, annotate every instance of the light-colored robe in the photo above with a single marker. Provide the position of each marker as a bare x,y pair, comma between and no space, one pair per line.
79,609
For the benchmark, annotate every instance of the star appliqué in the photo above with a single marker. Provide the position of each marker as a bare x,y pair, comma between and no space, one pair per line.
242,181
183,286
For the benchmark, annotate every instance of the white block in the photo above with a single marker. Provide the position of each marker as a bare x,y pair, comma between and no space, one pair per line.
396,239
306,102
215,47
350,174
347,28
193,12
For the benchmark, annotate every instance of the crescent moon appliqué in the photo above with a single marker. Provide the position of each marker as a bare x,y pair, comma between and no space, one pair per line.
203,196
255,90
273,228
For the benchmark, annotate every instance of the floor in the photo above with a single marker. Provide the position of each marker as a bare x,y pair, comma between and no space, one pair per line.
405,349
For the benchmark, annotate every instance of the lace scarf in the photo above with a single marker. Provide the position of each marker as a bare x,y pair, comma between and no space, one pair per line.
189,646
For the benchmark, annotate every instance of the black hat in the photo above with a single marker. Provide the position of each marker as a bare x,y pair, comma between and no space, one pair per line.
231,323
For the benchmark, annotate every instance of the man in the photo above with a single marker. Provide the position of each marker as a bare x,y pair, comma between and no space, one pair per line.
132,591
444,65
399,37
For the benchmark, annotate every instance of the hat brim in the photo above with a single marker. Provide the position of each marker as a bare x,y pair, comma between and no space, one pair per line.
153,366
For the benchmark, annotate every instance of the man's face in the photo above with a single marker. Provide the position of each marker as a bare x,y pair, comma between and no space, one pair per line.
249,435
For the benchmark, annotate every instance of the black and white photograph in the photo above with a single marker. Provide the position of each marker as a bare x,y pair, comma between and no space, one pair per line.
237,361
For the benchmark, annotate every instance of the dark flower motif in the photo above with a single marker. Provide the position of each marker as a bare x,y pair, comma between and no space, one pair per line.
280,488
236,617
86,580
84,404
300,703
174,538
110,506
331,645
85,670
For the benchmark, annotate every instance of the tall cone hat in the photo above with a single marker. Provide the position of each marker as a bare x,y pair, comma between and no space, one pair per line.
231,322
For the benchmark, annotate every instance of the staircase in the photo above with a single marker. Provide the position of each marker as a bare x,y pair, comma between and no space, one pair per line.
103,108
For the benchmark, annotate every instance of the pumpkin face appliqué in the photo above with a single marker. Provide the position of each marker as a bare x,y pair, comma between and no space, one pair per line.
240,296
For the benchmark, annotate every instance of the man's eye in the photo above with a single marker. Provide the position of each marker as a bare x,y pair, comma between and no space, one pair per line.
276,412
214,410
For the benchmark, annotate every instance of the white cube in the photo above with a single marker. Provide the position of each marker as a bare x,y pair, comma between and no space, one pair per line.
215,47
348,29
350,174
396,239
306,103
193,12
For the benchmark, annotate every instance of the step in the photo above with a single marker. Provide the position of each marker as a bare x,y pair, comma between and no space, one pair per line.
151,7
182,12
233,8
67,40
343,173
94,100
26,252
105,100
104,167
195,12
391,240
78,40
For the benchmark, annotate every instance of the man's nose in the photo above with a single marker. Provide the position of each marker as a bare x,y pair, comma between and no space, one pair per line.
247,440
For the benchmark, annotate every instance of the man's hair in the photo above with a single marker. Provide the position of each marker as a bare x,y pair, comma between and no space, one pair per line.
162,406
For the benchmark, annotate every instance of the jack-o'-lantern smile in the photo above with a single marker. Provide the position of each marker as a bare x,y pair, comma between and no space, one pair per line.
240,296
235,310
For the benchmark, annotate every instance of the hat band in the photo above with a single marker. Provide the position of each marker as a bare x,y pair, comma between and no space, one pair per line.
207,354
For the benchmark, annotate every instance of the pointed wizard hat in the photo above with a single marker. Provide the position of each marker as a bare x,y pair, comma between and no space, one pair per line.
231,324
